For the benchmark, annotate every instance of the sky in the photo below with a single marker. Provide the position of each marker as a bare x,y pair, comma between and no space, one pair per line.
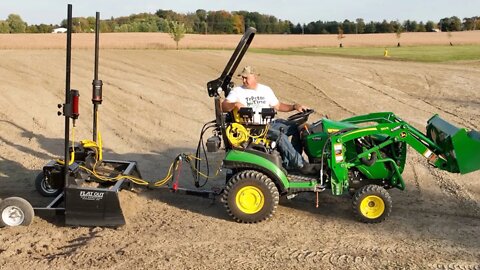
296,11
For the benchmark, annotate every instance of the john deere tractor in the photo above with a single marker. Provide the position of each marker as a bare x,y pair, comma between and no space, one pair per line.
363,155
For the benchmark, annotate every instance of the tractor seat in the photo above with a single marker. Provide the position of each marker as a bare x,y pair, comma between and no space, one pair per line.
474,134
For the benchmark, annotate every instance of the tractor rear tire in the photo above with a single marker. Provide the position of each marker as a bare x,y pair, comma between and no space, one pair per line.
15,211
44,188
372,204
250,197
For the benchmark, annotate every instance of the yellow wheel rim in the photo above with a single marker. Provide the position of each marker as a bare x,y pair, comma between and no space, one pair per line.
250,199
372,207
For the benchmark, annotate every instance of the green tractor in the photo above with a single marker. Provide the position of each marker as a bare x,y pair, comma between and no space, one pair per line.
363,155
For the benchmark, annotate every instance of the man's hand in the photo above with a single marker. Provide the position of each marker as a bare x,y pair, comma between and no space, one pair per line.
299,107
239,105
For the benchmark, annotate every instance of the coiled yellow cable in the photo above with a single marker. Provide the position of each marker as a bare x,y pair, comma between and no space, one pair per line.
72,154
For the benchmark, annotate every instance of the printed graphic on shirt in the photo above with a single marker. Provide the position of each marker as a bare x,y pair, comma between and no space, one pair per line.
262,97
255,101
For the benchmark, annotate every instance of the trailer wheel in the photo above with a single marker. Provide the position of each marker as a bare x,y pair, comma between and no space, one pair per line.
372,204
44,188
15,211
250,197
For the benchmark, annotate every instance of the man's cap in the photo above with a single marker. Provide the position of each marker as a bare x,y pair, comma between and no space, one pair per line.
247,71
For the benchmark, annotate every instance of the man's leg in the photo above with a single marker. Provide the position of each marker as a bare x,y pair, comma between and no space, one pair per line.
290,129
291,158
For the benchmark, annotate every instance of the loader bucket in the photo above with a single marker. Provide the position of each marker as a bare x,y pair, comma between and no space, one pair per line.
460,146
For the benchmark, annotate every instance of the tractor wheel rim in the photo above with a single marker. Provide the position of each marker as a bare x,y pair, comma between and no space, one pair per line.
250,199
13,216
47,188
372,206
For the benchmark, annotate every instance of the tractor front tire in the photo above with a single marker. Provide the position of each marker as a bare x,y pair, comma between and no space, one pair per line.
44,188
15,211
372,204
250,197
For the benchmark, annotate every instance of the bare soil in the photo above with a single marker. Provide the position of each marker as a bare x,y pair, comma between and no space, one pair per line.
164,41
155,103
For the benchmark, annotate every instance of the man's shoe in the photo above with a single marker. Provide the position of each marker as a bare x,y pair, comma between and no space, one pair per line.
309,169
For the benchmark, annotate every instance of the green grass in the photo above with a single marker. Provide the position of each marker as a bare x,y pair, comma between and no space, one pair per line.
406,53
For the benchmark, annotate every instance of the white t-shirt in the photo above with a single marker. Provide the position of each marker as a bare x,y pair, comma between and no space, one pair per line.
262,97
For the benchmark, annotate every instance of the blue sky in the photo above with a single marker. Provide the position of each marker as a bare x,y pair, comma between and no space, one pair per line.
297,11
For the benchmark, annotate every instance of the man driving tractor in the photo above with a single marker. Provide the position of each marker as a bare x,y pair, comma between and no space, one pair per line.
257,96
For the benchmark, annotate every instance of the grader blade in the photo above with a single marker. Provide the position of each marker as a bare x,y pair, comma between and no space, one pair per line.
460,146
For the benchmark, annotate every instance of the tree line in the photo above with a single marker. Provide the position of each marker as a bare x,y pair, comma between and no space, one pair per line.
235,22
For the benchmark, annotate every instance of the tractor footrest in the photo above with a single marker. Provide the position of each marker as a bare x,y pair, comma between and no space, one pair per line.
301,178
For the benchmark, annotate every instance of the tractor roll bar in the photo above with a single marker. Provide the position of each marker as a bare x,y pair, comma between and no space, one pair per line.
224,80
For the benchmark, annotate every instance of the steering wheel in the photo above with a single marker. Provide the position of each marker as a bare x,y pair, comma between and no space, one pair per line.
301,117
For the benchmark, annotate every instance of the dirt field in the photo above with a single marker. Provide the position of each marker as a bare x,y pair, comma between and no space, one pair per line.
155,103
164,41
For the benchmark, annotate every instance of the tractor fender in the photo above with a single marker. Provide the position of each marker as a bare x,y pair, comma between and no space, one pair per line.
242,160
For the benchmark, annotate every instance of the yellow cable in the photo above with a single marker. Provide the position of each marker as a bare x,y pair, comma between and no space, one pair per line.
134,179
72,154
199,172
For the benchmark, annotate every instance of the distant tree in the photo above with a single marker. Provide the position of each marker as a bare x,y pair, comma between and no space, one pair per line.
429,26
384,27
107,26
332,27
450,24
288,25
79,25
169,15
202,21
410,26
455,24
348,27
297,29
4,27
421,27
92,21
370,28
16,24
468,24
309,28
41,28
177,31
476,24
238,26
360,26
340,36
163,25
122,28
398,33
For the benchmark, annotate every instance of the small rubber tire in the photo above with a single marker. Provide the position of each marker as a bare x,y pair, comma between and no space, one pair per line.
42,186
16,211
372,204
250,197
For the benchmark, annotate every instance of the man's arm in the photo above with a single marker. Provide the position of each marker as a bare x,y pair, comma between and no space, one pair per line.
283,107
228,106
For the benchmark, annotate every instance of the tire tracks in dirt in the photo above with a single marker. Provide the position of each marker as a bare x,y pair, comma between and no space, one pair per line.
449,187
429,86
323,94
385,93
